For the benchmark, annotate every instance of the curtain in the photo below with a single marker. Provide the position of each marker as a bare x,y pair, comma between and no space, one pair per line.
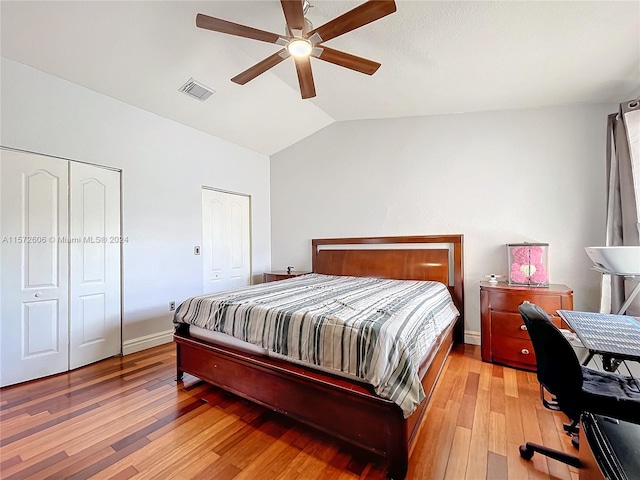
623,200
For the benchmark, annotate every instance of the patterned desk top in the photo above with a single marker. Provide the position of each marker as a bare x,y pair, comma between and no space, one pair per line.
606,333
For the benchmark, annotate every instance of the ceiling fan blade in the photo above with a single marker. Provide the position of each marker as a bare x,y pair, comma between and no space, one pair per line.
305,77
260,67
355,18
223,26
347,60
293,14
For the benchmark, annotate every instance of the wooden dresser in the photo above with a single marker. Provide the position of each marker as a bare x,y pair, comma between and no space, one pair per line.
281,275
505,339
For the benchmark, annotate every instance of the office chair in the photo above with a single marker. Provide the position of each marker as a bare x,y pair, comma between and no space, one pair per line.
574,387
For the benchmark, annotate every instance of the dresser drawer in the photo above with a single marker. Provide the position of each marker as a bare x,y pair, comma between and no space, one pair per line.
508,325
516,352
510,301
511,324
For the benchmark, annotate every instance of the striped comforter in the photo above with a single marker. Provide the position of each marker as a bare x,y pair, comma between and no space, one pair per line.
376,329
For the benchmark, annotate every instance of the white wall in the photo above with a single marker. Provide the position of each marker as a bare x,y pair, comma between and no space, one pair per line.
164,165
497,177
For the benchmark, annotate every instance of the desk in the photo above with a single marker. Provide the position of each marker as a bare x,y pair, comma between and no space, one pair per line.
615,337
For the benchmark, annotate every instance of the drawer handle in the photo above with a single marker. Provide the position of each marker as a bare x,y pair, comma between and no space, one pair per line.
524,351
526,301
523,327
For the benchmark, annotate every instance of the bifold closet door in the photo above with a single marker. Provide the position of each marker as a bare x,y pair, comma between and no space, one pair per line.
34,265
60,265
95,264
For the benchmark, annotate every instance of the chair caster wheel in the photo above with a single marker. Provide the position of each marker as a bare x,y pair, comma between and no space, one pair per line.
525,452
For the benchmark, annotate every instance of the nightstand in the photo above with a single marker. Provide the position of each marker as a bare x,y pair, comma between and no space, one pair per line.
505,339
281,275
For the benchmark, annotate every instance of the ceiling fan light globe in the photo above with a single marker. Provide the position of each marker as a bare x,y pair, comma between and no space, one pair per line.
299,47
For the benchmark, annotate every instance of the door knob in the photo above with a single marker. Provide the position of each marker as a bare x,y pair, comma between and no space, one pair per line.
524,351
523,327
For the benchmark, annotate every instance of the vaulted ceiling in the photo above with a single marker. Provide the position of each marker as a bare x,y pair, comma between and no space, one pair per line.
437,58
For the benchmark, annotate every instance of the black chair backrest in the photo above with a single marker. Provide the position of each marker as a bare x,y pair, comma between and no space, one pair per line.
559,369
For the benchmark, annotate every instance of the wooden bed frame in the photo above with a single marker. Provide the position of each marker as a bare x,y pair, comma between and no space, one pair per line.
343,408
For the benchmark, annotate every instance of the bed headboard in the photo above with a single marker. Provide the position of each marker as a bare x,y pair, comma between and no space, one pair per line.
421,257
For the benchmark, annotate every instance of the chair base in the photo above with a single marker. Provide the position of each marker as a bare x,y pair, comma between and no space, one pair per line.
572,428
527,450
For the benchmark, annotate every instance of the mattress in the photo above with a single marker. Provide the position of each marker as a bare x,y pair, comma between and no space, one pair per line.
225,340
376,330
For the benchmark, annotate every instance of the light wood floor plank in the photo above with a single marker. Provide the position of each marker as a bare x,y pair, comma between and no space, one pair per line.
510,382
514,430
445,439
424,456
479,445
457,466
486,371
497,433
497,393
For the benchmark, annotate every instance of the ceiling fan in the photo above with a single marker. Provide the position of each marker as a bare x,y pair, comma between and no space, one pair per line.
301,42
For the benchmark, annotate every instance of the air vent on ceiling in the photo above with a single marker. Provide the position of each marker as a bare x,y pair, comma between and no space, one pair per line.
195,89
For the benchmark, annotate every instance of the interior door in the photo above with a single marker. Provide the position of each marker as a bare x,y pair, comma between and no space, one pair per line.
34,266
95,264
226,249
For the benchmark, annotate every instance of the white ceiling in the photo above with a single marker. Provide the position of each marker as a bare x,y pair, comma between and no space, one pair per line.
437,58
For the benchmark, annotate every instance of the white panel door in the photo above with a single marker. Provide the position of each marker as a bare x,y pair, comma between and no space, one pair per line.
95,244
226,249
34,267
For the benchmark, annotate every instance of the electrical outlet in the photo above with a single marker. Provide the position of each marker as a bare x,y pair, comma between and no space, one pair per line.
172,306
196,250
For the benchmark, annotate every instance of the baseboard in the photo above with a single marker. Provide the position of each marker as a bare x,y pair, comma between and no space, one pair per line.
148,341
472,337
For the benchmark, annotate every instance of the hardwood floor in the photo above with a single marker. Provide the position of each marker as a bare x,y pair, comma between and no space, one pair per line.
127,418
